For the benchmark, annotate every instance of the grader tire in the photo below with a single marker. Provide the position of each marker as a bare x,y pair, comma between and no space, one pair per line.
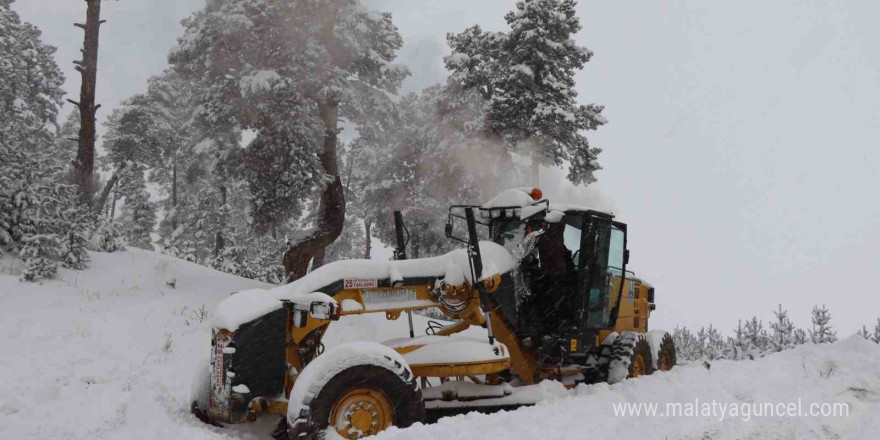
633,351
666,355
361,401
641,361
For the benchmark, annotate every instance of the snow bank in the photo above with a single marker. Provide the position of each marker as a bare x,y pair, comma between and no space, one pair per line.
845,372
107,353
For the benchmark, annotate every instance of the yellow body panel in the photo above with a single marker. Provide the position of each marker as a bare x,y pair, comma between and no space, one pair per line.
634,309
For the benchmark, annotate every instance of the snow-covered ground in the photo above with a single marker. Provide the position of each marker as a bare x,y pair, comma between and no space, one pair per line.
108,353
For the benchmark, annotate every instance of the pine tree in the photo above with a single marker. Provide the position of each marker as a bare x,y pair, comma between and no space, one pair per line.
39,256
822,332
800,337
83,167
864,333
294,58
783,330
738,346
106,237
876,336
757,340
686,344
39,216
527,79
138,212
714,344
702,338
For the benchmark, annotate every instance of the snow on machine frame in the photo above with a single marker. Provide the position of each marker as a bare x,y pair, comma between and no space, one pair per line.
550,288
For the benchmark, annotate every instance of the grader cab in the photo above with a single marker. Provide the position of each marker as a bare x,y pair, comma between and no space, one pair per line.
549,287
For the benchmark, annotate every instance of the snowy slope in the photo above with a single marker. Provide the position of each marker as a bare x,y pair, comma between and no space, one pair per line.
108,353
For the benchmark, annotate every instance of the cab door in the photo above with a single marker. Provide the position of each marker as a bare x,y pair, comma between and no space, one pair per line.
602,268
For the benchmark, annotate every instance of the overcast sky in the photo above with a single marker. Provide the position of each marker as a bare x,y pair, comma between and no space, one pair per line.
742,147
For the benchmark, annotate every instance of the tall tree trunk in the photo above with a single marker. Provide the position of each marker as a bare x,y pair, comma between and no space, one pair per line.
331,207
219,243
99,205
368,238
318,259
113,206
83,169
174,194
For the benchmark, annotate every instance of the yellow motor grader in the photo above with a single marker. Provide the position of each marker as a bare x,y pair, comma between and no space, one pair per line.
548,284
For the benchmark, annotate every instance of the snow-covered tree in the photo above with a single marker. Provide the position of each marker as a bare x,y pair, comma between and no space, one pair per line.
876,335
39,215
30,84
106,237
758,341
800,336
39,255
174,101
349,245
783,330
714,348
527,78
822,332
686,344
289,70
747,341
138,212
864,333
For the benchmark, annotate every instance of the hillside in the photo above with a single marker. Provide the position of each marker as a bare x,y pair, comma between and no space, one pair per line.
107,353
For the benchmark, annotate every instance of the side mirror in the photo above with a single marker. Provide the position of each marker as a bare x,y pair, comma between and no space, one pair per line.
448,230
626,256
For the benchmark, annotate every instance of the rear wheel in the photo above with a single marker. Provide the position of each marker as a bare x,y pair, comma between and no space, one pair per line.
666,355
362,401
641,360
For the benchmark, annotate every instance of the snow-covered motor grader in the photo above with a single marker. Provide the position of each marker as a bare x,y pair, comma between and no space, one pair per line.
549,285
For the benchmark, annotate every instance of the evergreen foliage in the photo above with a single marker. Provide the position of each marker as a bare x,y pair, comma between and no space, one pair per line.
526,77
822,331
751,340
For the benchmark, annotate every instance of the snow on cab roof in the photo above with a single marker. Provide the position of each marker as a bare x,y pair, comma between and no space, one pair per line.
524,197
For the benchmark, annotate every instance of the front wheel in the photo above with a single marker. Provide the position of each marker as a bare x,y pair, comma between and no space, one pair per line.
362,401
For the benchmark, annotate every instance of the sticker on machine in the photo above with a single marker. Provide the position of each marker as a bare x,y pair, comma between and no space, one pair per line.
360,283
